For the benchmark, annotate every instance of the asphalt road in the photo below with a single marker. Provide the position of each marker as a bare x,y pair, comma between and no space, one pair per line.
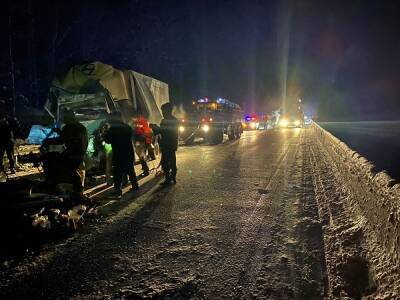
240,223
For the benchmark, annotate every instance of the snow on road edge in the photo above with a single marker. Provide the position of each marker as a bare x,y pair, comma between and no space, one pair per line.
372,201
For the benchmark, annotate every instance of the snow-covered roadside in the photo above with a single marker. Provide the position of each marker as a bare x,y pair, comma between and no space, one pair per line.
360,212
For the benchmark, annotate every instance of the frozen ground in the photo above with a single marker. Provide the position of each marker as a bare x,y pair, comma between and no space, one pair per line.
274,215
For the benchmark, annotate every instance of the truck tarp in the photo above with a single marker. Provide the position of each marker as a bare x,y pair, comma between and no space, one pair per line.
92,84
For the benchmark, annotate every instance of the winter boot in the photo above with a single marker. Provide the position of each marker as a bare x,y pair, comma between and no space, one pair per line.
145,168
135,186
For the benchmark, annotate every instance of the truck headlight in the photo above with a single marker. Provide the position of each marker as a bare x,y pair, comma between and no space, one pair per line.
206,128
283,123
181,128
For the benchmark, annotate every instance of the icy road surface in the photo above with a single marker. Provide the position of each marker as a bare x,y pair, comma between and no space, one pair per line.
242,222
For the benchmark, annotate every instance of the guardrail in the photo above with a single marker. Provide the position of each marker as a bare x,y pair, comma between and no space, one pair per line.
382,209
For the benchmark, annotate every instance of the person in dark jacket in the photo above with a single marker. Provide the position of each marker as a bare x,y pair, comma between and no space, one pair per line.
120,135
75,139
168,131
6,144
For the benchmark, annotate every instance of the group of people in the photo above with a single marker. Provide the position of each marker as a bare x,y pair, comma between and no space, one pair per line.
68,165
120,135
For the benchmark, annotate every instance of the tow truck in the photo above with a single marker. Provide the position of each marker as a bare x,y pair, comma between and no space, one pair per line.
210,120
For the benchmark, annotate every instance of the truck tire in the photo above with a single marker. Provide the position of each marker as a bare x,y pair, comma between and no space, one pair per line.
189,141
217,137
238,132
231,132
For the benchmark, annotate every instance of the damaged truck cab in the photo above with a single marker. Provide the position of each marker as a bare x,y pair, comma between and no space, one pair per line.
94,90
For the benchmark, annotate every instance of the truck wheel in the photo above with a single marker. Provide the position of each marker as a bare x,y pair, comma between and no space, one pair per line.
238,132
189,141
231,132
217,137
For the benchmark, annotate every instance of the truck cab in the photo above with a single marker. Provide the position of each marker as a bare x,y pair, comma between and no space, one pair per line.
210,120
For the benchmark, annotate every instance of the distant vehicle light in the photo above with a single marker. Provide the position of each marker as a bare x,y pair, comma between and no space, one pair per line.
181,128
283,123
183,120
297,123
206,128
210,119
253,125
203,120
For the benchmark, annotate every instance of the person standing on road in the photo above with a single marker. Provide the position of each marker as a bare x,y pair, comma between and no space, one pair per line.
120,135
168,131
6,144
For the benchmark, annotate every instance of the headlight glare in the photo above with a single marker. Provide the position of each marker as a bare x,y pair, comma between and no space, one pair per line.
283,123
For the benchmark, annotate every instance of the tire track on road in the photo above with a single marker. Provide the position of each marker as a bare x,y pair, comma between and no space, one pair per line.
240,267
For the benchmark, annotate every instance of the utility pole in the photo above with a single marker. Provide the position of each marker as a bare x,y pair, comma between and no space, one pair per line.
12,68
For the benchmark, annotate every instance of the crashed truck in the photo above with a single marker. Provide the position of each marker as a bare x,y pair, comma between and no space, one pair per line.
94,90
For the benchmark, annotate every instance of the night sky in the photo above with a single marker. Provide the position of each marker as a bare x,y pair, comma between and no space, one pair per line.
341,57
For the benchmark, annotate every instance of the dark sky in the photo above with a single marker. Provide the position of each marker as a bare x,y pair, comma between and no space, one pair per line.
341,57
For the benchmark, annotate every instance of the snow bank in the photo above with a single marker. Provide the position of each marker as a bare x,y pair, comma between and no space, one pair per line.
382,211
